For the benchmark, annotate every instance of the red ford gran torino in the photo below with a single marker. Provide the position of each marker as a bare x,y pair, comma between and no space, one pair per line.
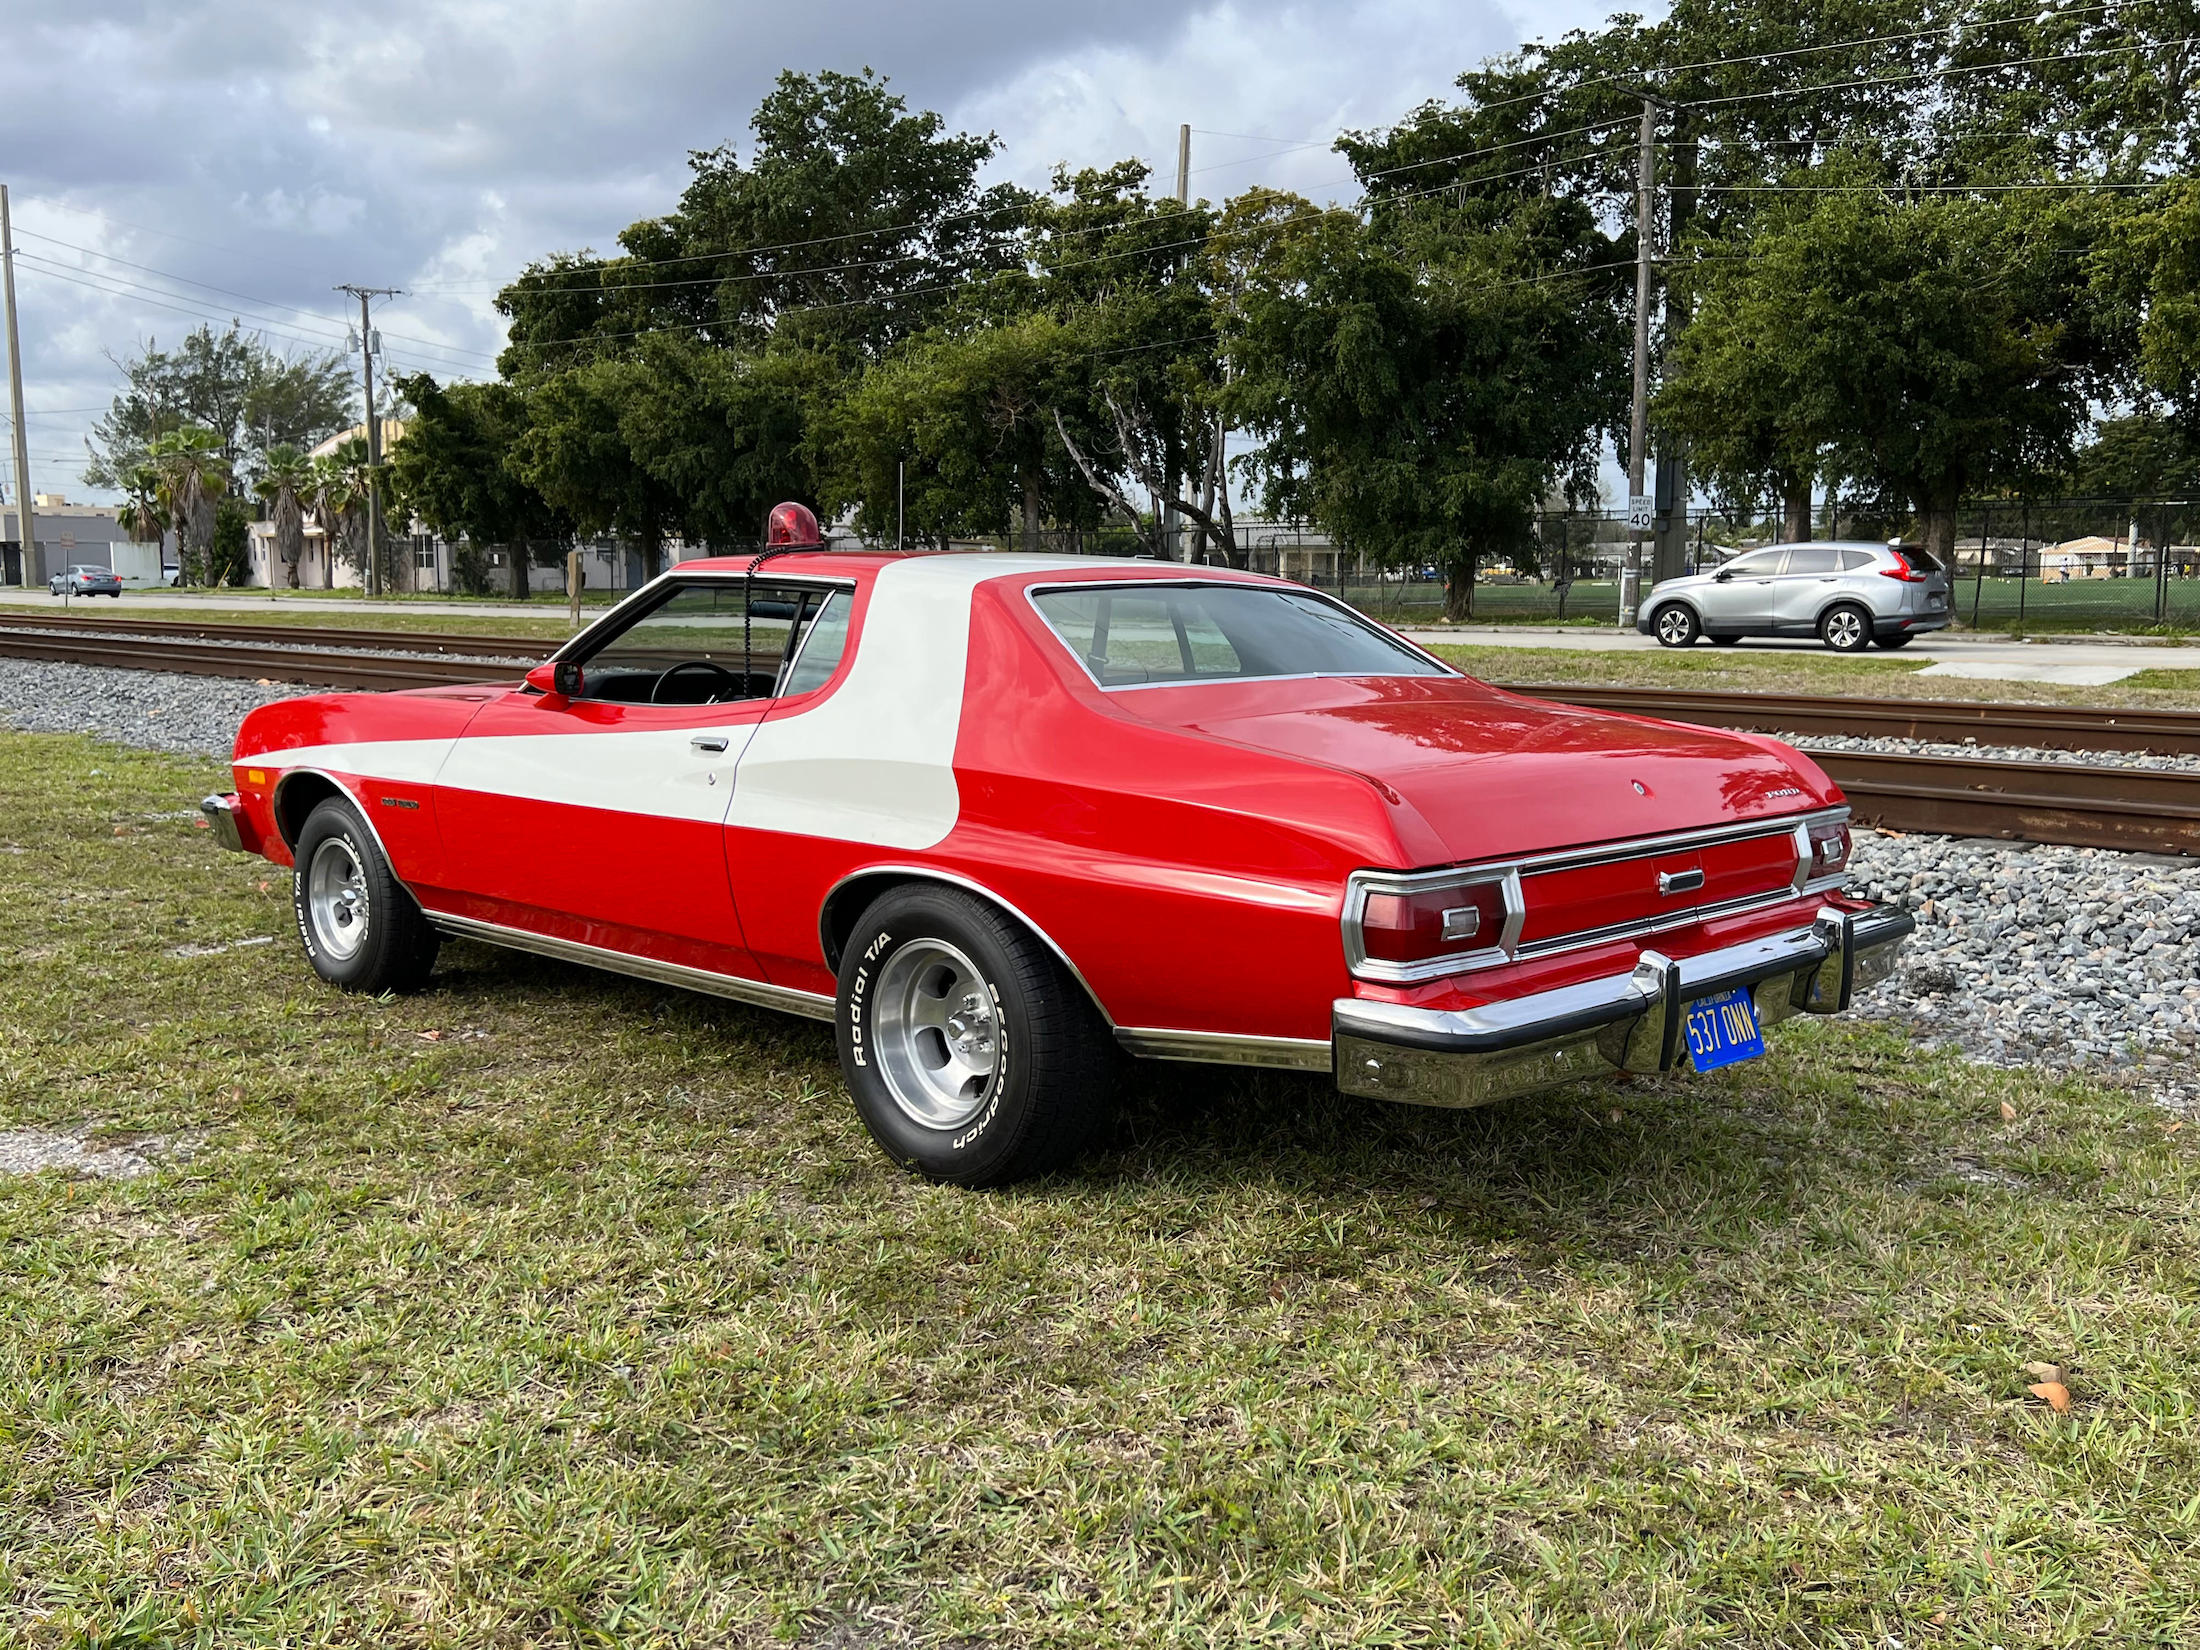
989,814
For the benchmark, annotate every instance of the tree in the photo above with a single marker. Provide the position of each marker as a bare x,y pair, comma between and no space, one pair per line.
1927,349
575,453
142,515
2153,270
286,477
1419,413
719,434
194,477
338,501
457,470
230,383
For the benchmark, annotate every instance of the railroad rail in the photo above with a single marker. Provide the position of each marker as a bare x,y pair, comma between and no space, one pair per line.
1947,721
2130,809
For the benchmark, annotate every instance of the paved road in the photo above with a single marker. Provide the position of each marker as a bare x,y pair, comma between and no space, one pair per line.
2086,661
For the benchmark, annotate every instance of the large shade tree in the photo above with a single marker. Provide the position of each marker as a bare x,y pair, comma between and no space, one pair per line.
457,471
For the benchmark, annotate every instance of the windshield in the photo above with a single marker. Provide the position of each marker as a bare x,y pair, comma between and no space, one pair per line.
1132,634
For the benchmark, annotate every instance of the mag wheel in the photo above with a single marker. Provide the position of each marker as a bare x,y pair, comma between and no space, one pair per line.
1846,629
1675,625
972,1053
360,928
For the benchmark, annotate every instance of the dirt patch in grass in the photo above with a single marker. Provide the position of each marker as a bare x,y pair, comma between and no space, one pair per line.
594,1317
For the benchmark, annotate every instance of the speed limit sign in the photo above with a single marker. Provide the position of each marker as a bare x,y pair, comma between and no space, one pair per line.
1638,512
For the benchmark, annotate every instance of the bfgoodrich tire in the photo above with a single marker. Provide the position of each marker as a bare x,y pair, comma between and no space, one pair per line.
361,929
972,1053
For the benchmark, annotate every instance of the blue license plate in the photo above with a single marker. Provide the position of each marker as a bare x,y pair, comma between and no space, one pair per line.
1723,1030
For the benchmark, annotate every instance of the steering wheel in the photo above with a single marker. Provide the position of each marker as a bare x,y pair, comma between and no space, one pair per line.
697,664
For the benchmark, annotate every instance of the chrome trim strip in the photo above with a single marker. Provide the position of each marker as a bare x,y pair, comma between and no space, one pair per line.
1258,581
934,874
1663,924
1224,1048
275,804
756,993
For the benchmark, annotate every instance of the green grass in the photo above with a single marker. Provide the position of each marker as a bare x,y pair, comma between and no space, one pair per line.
547,624
546,1308
1789,670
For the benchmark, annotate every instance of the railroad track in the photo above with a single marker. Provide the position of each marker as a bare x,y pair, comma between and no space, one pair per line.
534,649
1946,721
2131,809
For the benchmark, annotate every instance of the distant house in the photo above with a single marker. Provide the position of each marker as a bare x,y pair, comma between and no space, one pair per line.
2096,557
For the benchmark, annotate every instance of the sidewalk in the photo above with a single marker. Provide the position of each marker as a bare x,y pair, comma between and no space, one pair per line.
2075,661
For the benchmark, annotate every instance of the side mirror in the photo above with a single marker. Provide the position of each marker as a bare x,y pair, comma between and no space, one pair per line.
560,676
1724,575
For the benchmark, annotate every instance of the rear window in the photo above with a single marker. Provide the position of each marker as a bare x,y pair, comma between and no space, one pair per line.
1920,558
1131,634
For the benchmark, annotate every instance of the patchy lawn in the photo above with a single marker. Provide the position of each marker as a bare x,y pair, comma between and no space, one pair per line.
551,1308
1798,670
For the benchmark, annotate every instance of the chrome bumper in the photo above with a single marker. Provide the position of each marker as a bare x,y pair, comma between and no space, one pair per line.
221,816
1624,1022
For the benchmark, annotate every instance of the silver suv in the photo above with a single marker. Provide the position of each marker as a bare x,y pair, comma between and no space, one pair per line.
1847,595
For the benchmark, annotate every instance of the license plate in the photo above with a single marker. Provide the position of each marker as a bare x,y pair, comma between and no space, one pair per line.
1723,1030
1936,601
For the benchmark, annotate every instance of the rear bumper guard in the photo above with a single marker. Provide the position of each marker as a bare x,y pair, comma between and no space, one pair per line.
224,816
1623,1022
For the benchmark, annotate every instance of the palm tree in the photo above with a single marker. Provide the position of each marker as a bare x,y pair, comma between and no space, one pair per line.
286,478
194,477
339,500
143,516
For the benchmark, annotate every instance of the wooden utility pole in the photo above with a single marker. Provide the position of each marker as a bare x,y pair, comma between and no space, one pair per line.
374,434
1171,528
1638,428
23,514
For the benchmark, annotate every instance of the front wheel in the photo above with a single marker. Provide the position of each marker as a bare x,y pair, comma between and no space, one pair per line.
972,1053
1846,629
1675,625
361,929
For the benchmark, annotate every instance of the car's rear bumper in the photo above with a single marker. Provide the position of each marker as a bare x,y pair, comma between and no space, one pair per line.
1623,1022
1910,624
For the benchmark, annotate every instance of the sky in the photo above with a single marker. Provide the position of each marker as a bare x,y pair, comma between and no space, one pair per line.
173,162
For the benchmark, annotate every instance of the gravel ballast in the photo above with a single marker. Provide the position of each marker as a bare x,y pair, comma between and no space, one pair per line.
152,709
1862,744
2076,958
2079,958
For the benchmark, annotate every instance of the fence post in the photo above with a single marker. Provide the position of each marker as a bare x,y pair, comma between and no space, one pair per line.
1986,519
2024,564
2161,563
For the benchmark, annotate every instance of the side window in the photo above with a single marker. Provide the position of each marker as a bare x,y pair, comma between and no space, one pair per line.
1855,561
701,645
823,643
1813,558
1758,564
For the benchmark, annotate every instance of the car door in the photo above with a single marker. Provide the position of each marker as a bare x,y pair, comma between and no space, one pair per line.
1807,585
599,817
1739,598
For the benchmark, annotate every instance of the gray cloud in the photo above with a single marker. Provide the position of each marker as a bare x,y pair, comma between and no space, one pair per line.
270,151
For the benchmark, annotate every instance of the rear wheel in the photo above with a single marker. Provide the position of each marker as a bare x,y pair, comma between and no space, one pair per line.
972,1053
1846,629
362,931
1901,638
1675,625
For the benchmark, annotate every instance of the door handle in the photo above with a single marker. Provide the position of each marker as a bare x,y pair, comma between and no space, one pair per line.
709,742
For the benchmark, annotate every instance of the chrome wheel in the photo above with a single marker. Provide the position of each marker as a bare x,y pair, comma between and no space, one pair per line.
336,899
1675,627
1845,629
936,1032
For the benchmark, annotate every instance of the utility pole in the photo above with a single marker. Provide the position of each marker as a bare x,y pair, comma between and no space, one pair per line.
374,433
26,536
1171,528
1638,428
901,509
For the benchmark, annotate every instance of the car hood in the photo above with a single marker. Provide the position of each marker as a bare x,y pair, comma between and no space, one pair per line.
1477,773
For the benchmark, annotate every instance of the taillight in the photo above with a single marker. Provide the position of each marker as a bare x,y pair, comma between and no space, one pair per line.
1901,569
1830,845
1416,927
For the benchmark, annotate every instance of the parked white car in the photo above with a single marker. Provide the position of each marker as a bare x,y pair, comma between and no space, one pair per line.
1848,595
